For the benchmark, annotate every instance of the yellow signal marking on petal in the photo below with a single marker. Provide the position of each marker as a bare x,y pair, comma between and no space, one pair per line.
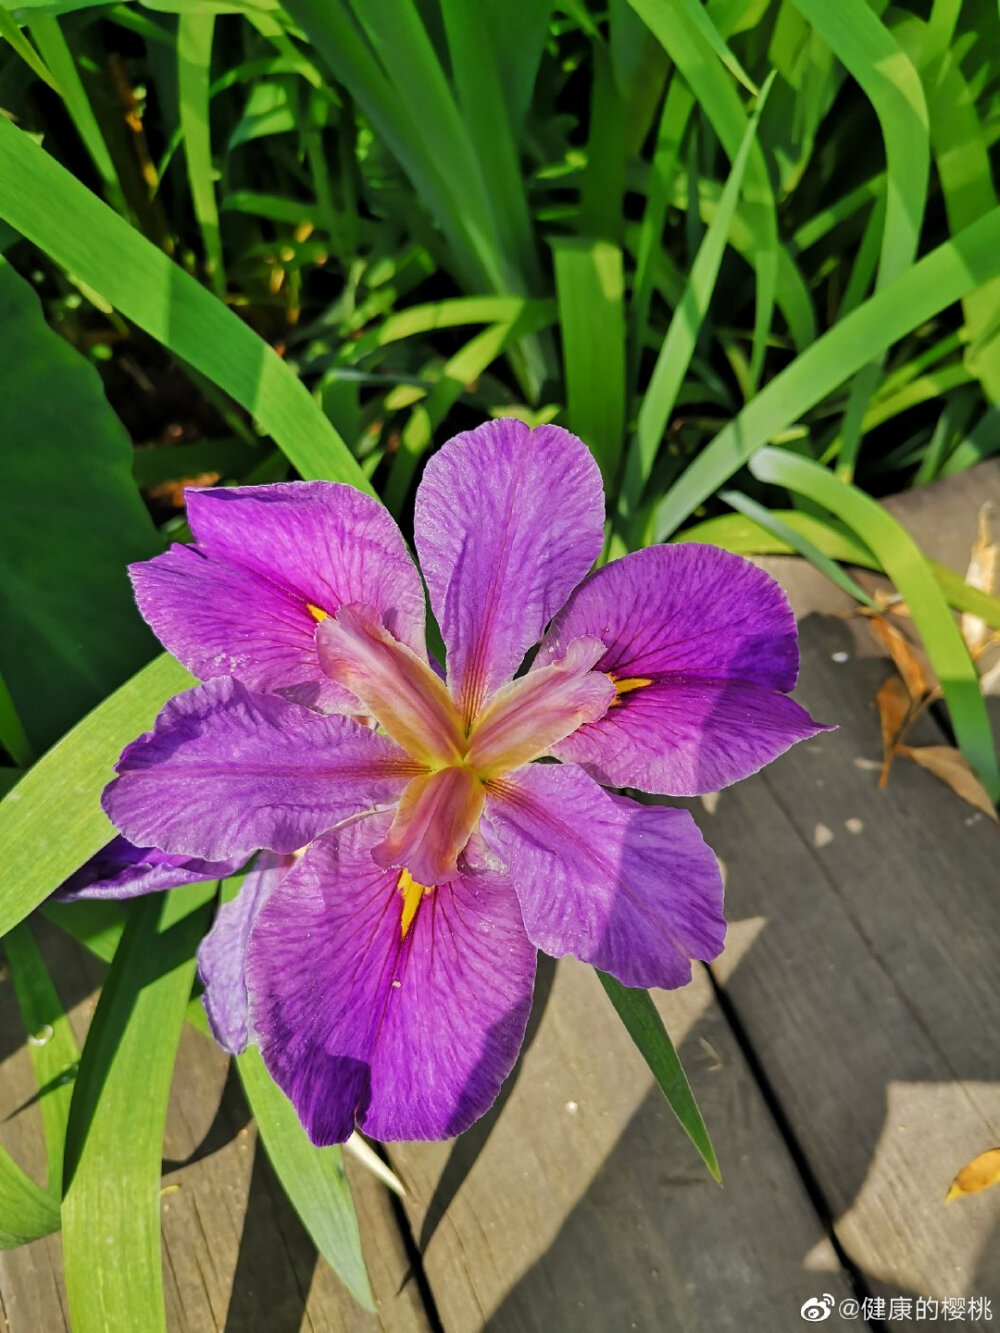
316,612
412,893
625,684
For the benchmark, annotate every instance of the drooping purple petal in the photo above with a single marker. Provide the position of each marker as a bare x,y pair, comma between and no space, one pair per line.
407,1037
703,647
222,954
508,520
631,888
225,772
122,870
269,564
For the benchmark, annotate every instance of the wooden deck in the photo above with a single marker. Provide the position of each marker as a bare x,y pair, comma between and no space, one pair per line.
844,1050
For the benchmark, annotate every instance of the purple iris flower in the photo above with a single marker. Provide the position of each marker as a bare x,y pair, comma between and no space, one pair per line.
387,972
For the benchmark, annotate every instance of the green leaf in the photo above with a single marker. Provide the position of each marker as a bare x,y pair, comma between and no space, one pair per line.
433,147
961,154
685,326
590,285
645,1026
13,737
906,565
51,1044
800,544
26,1212
11,33
67,458
194,61
111,1208
54,48
96,923
52,821
934,283
874,58
52,209
679,25
313,1178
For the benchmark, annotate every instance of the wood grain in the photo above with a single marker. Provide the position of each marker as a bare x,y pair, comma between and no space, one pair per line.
871,998
583,1205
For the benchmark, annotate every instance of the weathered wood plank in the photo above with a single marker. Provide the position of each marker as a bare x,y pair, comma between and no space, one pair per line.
582,1204
870,996
235,1252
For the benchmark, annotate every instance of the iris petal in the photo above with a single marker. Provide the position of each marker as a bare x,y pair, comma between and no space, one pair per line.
704,648
407,1037
225,772
631,888
222,953
436,816
242,601
526,718
508,520
122,870
401,692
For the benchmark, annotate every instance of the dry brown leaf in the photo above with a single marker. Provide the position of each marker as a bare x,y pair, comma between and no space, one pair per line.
904,655
894,705
979,1174
945,762
983,573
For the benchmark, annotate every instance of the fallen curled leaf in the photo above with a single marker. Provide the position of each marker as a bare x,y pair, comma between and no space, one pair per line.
886,603
945,762
894,706
979,1174
902,652
983,573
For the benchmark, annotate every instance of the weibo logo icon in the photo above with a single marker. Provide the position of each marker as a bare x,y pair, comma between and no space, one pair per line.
817,1308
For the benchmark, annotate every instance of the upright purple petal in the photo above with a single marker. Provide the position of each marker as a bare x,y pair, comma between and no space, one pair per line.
508,520
703,648
225,772
270,562
406,1034
122,870
631,888
222,954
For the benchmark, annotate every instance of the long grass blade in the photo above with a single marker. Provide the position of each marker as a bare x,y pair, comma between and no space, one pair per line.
905,564
935,282
685,326
875,59
69,778
645,1026
111,1204
313,1178
27,1212
12,34
50,207
681,30
51,1044
590,286
194,60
